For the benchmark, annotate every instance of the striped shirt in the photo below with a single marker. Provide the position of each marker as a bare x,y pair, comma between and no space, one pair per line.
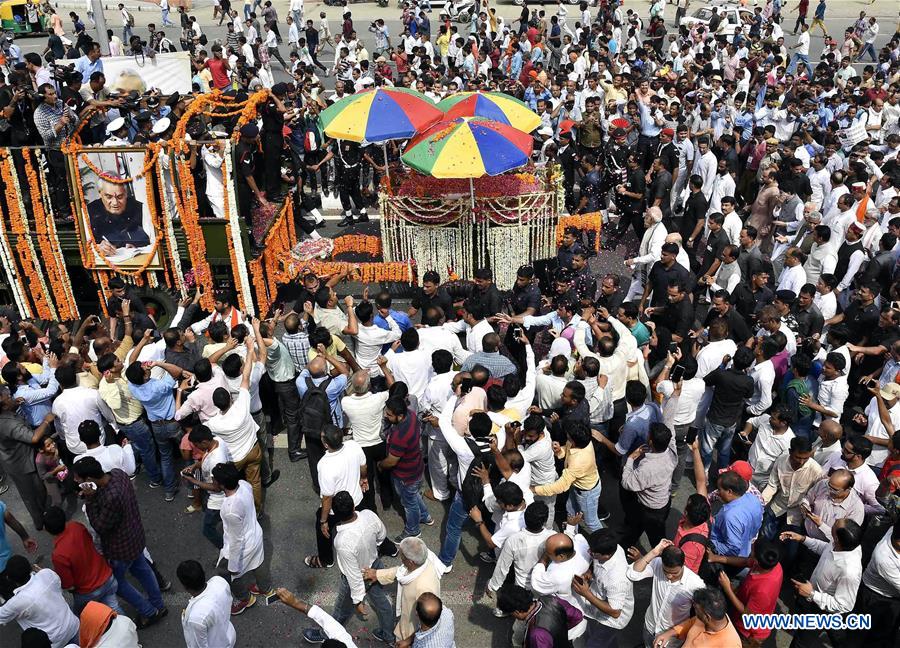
440,635
404,441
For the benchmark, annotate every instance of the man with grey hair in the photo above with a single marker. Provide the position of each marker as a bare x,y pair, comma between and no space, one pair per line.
419,573
649,252
363,416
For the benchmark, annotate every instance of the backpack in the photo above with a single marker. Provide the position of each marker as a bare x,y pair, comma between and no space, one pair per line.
130,18
709,575
472,490
315,409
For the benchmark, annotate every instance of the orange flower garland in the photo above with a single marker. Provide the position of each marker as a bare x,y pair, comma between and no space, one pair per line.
358,244
269,270
186,197
60,286
592,222
31,267
148,166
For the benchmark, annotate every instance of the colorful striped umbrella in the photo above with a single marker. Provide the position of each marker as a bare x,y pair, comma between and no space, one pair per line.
491,105
379,115
468,147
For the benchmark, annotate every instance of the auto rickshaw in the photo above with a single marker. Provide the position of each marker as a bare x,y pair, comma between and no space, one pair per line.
14,19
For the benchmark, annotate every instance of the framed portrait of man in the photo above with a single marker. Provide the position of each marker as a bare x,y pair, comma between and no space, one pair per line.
115,222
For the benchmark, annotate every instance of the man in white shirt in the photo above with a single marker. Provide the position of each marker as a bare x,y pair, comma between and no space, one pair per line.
880,590
358,535
413,366
473,323
215,452
610,592
242,548
433,336
884,407
522,550
441,462
109,457
206,620
856,449
802,53
649,251
793,276
74,405
566,555
673,588
235,426
770,437
763,375
370,339
343,468
363,416
834,583
38,603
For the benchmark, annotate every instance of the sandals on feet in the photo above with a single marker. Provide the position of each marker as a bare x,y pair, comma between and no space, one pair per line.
313,562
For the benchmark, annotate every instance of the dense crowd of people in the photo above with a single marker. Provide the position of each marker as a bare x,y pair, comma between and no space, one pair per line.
744,360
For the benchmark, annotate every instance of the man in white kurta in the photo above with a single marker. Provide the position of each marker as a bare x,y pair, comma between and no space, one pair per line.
243,537
206,621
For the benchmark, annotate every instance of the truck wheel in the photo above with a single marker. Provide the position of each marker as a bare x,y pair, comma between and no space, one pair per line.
162,304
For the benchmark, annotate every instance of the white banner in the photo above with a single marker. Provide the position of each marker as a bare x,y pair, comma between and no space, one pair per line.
849,137
168,72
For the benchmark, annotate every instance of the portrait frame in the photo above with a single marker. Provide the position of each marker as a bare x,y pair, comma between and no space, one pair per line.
138,244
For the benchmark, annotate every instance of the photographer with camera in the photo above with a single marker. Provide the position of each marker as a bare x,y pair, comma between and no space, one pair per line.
16,111
55,121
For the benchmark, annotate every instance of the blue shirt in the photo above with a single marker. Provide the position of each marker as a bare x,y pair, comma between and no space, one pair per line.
736,525
157,398
820,10
334,391
87,68
402,320
636,429
5,549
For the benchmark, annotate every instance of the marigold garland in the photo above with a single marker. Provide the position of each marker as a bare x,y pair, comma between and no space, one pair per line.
186,200
233,235
28,259
592,222
358,244
148,166
272,267
12,273
60,286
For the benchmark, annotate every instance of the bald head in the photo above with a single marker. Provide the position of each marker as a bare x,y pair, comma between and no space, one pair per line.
830,431
841,480
317,367
429,609
560,547
674,237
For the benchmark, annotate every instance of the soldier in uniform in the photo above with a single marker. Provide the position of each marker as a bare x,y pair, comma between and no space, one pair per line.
273,139
347,156
630,201
246,153
615,162
117,133
144,121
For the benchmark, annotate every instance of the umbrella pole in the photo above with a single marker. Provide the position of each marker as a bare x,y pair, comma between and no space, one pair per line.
472,192
387,166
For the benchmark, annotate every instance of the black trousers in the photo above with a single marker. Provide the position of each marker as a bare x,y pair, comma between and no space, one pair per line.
272,145
885,618
374,454
245,207
633,218
350,190
314,452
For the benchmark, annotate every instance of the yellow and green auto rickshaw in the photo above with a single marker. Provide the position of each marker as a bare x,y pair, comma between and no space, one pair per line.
14,18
